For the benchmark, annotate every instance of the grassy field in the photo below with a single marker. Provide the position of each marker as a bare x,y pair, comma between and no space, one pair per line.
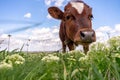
101,63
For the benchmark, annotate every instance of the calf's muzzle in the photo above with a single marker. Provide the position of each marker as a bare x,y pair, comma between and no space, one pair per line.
87,36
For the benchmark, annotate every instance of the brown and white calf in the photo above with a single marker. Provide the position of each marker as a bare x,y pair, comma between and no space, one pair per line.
76,25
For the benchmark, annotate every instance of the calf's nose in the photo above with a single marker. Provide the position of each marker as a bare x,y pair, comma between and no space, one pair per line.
87,36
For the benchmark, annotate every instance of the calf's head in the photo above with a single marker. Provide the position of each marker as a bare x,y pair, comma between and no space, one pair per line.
77,18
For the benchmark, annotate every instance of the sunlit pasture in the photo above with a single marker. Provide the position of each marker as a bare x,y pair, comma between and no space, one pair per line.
101,63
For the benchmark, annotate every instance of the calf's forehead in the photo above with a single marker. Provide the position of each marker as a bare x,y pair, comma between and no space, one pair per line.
79,6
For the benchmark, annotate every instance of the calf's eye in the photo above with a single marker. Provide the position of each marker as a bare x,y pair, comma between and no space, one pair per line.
67,17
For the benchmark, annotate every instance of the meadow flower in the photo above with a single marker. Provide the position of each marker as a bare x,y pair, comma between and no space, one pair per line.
114,41
19,62
84,59
15,59
55,76
50,57
75,51
71,58
5,66
117,55
99,46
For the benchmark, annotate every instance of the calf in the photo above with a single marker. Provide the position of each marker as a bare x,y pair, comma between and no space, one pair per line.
76,25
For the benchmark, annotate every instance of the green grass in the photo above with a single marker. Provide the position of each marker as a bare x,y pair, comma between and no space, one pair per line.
101,63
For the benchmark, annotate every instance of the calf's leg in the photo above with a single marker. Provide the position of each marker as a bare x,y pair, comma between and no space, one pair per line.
63,47
71,46
86,48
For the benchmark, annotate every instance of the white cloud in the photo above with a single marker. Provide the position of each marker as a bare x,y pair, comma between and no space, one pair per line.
117,27
43,30
49,17
42,39
104,29
105,32
27,15
4,36
45,38
55,30
48,2
101,33
101,36
57,3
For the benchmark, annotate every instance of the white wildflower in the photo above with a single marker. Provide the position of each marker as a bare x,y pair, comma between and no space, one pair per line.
50,58
98,46
84,59
5,66
15,59
71,58
76,51
117,55
73,51
18,62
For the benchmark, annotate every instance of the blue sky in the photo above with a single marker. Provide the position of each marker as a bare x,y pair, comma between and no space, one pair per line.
106,12
19,14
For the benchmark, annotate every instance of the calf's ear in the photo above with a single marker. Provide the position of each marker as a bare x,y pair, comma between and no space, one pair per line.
55,12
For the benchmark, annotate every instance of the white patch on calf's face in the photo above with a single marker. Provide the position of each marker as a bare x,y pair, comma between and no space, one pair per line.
78,6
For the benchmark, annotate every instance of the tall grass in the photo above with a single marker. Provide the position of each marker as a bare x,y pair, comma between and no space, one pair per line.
101,63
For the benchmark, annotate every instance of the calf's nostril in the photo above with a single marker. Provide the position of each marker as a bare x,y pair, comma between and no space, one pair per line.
82,34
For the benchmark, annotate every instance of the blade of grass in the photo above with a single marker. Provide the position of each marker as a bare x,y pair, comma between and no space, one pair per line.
97,73
65,71
42,76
